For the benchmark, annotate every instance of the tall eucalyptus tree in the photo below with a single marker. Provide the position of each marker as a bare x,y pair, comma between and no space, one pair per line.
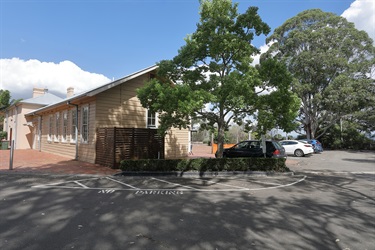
333,64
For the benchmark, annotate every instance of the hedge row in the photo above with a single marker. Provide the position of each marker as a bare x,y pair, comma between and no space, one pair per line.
205,164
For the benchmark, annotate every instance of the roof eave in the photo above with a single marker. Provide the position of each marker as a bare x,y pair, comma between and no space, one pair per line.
95,91
121,80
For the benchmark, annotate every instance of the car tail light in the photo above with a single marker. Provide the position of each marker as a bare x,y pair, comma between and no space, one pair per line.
308,145
276,152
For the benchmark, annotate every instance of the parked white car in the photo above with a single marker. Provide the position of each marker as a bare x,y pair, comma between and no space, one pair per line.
297,148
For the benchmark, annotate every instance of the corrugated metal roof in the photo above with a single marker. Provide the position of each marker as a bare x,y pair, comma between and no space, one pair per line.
45,99
96,90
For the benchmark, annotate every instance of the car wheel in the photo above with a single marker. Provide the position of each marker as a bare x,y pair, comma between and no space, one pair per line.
299,153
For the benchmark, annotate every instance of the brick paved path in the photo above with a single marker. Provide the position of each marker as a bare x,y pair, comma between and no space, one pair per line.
28,160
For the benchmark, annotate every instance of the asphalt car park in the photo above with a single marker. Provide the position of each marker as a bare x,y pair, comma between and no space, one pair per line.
327,204
318,212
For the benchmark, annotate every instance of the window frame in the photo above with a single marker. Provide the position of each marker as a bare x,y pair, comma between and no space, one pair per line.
73,126
50,128
85,124
64,135
151,119
57,127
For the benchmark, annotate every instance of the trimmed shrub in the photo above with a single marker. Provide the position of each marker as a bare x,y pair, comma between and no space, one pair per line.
205,164
3,135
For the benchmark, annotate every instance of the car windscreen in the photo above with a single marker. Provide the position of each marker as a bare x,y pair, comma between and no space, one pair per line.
277,145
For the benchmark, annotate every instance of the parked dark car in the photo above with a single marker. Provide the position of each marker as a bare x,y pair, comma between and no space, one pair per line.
254,149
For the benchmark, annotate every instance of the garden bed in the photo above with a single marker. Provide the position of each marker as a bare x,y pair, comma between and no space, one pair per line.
205,165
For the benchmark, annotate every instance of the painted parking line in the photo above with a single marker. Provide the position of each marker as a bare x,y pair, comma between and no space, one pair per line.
63,182
281,186
121,183
78,183
109,185
267,183
174,184
226,185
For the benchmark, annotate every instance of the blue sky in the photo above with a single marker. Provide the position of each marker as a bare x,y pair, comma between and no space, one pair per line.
57,43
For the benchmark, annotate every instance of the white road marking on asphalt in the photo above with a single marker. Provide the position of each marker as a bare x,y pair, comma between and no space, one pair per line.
227,185
78,183
121,183
148,189
286,185
184,188
175,184
269,183
63,182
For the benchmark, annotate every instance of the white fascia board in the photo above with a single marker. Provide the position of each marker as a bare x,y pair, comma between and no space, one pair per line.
120,81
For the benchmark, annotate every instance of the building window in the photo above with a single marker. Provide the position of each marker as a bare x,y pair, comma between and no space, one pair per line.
65,126
50,121
73,132
151,119
85,124
57,127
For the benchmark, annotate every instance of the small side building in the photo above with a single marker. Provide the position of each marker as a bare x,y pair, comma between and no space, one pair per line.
20,128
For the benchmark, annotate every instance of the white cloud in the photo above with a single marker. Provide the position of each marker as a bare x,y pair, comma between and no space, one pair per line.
362,14
20,77
263,49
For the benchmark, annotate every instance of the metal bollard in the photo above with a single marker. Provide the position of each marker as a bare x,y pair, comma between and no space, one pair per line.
11,156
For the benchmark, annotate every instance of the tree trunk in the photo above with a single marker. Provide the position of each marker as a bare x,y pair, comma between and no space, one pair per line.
308,131
220,139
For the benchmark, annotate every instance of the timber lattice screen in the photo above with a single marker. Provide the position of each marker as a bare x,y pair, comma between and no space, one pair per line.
116,144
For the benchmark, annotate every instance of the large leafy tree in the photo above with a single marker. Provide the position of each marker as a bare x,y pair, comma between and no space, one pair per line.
331,62
4,99
5,102
212,80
